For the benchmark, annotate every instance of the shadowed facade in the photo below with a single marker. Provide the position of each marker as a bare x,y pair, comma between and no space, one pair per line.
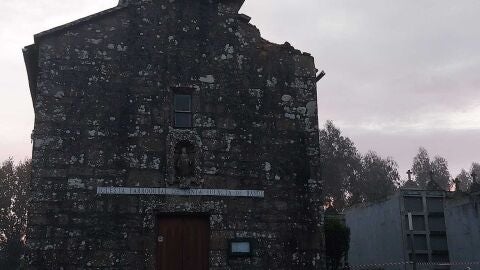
180,96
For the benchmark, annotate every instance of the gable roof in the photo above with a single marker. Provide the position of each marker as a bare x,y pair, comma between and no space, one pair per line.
80,21
122,5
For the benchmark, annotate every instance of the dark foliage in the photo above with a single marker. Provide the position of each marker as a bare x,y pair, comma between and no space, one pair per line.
14,181
350,178
341,164
378,179
337,242
423,167
465,178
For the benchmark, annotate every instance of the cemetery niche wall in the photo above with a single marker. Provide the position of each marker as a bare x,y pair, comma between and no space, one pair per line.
170,135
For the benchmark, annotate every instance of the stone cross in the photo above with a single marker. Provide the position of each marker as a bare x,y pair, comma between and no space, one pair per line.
409,172
431,175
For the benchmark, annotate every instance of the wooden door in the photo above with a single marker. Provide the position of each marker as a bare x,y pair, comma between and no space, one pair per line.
182,243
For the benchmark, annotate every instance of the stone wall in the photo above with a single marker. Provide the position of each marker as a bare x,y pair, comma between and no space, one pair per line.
102,89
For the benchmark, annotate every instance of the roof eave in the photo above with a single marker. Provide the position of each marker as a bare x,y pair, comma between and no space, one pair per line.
83,20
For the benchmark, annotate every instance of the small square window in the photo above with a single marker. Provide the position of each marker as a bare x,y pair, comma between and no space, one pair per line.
438,242
413,204
240,247
418,222
183,120
183,103
183,111
420,241
436,223
435,204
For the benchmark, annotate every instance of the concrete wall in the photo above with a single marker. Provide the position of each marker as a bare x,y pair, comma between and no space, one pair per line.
462,217
376,233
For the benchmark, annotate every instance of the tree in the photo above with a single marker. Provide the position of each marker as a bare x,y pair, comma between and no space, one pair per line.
340,163
379,177
350,178
475,168
440,171
465,177
14,181
464,180
337,242
423,167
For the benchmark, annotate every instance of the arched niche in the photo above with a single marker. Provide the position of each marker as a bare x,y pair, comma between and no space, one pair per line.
183,159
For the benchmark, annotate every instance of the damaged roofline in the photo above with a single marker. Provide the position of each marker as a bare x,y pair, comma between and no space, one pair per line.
30,56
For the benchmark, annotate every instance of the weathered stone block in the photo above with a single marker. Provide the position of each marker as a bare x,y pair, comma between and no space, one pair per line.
146,178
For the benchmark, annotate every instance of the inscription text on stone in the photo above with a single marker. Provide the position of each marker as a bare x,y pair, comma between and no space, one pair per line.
179,192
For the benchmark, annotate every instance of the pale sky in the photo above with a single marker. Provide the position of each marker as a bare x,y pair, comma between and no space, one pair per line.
400,74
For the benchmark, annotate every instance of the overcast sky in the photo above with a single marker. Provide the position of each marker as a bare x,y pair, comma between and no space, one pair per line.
400,74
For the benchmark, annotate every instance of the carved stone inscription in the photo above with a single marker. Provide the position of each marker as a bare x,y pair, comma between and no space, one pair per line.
179,192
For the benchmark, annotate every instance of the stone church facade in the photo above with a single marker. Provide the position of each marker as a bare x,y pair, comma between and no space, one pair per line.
170,135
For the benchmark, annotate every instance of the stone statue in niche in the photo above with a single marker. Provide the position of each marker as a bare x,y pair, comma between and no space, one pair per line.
184,164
